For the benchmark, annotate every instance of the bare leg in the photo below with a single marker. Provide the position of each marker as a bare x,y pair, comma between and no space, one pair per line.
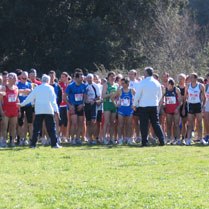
106,122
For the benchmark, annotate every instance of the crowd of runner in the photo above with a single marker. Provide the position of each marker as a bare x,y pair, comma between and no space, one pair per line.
94,110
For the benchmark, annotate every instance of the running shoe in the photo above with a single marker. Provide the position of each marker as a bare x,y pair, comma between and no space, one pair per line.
94,142
25,142
203,142
174,142
130,142
105,142
21,142
138,140
57,146
114,141
207,138
154,141
88,142
183,142
168,141
73,142
78,141
188,142
121,141
178,142
12,144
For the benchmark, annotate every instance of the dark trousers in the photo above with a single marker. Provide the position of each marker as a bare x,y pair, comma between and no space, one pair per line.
151,114
50,126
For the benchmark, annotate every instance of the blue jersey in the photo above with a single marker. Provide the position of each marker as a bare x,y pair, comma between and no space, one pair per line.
26,85
125,101
75,93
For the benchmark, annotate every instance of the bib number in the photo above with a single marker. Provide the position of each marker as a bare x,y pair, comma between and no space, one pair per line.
125,102
78,97
170,100
12,98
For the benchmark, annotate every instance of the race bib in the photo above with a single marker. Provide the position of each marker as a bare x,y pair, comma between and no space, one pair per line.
125,102
193,97
90,99
170,100
78,97
12,98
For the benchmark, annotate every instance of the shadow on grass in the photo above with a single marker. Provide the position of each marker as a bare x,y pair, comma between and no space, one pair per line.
13,148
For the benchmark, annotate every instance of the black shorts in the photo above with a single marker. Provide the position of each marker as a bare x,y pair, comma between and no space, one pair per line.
63,116
194,108
181,109
99,116
29,115
90,111
78,113
136,113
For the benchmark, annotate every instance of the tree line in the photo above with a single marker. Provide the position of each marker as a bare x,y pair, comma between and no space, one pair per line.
61,35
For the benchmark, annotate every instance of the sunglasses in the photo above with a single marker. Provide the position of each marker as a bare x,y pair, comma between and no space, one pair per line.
24,78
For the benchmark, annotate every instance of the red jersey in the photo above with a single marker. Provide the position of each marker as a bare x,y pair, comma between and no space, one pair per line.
10,101
171,101
36,82
63,87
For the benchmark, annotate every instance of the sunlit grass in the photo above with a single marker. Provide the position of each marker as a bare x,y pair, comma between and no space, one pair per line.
105,177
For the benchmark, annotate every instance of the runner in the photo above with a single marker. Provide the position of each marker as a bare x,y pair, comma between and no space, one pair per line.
10,109
172,105
133,83
125,111
58,93
33,77
75,97
92,95
109,109
99,135
195,95
183,107
25,88
63,108
206,110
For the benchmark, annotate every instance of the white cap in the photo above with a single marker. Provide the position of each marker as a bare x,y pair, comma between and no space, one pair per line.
90,75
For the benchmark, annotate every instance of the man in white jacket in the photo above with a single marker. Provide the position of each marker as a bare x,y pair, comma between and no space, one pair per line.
45,108
147,99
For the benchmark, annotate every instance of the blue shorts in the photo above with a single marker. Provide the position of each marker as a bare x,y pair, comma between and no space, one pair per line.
126,114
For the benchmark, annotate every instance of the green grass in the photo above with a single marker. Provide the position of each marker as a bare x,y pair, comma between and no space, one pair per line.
105,177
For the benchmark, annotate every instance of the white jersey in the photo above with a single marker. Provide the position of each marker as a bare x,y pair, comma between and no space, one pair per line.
207,98
194,94
100,89
134,85
92,92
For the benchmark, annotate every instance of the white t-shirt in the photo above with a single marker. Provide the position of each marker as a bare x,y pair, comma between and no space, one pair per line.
100,89
93,91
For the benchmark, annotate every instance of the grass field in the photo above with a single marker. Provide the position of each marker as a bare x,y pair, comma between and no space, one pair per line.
105,177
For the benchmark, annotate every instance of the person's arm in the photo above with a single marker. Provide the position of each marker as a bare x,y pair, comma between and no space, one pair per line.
163,96
137,96
65,97
30,98
203,97
54,101
178,92
59,100
115,95
133,92
160,93
104,92
185,96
